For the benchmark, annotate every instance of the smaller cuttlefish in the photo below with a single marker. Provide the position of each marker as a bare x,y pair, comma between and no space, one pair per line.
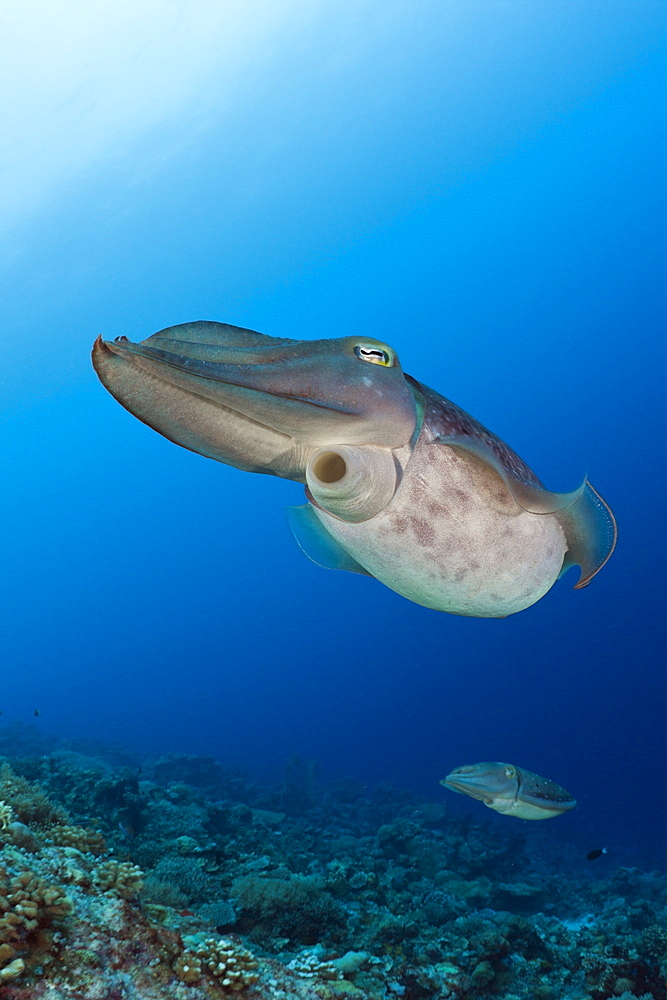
510,790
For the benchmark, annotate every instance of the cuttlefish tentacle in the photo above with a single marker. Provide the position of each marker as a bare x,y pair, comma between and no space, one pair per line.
401,483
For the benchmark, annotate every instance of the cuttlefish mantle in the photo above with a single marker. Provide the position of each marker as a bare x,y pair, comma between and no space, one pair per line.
401,484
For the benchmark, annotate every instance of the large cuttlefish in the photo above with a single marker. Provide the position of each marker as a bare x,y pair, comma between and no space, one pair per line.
401,484
510,790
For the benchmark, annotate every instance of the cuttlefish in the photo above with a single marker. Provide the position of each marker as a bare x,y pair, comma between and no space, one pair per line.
401,484
510,790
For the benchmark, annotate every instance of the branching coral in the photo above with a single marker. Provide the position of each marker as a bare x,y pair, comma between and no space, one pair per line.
84,839
29,905
308,965
653,942
28,801
296,908
27,902
186,874
232,966
189,968
119,878
11,966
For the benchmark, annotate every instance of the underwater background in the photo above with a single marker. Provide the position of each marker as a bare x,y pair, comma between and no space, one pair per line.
481,185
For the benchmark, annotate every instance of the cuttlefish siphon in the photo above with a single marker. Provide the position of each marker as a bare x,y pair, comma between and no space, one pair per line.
510,790
401,484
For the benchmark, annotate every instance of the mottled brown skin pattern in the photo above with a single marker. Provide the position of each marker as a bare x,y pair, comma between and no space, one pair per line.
453,538
447,420
541,790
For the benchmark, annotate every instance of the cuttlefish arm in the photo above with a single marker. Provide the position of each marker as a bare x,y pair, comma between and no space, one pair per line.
262,404
587,521
510,790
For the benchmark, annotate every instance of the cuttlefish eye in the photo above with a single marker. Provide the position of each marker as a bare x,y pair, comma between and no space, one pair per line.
510,772
376,355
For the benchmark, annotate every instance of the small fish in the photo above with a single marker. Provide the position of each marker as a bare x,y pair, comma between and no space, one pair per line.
510,790
36,713
597,853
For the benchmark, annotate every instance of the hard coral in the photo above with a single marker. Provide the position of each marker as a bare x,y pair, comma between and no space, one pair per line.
119,878
10,966
84,839
232,966
308,965
188,967
29,801
21,836
296,908
28,902
29,906
185,874
653,942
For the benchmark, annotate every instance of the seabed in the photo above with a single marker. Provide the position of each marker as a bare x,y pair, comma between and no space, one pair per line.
178,877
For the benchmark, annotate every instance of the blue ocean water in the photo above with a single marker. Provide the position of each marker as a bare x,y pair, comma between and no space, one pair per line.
480,185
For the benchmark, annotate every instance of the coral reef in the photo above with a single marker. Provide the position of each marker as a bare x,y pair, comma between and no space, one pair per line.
233,966
295,908
178,878
27,801
84,839
119,878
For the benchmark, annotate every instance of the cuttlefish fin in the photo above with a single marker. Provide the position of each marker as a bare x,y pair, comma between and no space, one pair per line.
590,530
586,520
315,541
